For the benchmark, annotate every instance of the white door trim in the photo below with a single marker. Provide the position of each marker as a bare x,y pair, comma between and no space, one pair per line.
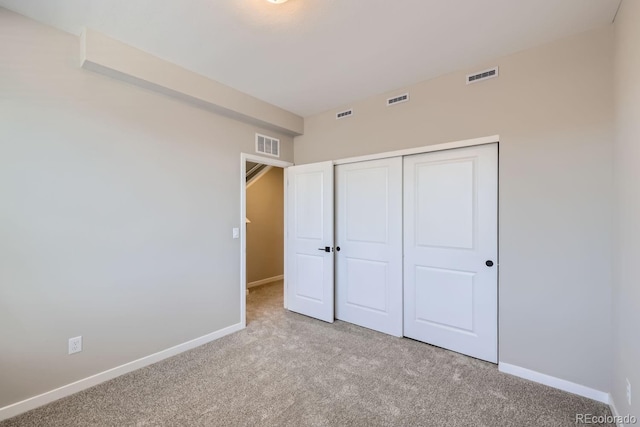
244,157
420,150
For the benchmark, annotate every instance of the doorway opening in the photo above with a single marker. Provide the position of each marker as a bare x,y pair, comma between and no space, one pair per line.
262,233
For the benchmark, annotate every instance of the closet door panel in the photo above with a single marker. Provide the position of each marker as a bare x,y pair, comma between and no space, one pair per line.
450,250
309,262
369,234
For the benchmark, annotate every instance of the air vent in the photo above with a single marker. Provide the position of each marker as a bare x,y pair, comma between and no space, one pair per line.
267,145
482,75
343,114
398,99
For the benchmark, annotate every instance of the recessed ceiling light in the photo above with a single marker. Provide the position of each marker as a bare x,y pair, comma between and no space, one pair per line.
276,1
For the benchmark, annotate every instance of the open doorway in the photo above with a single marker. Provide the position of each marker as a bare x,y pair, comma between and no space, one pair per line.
265,238
262,246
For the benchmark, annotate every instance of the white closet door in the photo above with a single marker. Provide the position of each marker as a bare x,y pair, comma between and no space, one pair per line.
450,250
369,235
309,257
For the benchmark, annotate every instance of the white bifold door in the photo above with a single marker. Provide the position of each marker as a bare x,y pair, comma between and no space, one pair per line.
369,244
450,249
309,240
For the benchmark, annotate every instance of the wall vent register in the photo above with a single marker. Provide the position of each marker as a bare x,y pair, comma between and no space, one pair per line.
398,99
343,114
267,145
482,75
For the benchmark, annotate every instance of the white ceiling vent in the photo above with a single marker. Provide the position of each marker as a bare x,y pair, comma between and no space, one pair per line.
267,145
398,99
482,75
345,113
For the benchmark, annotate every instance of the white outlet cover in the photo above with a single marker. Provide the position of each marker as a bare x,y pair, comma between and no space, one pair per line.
236,233
75,345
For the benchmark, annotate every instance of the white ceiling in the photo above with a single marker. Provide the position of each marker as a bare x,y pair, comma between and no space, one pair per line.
309,56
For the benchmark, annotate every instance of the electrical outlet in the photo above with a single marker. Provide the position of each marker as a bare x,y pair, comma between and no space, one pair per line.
75,345
628,391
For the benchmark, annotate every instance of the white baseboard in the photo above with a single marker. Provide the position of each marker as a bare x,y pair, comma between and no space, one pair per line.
69,389
263,281
554,382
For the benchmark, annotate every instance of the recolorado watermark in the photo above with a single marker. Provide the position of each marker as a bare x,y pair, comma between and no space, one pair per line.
605,419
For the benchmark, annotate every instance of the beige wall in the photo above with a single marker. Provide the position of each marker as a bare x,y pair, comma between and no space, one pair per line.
116,218
626,285
265,234
552,107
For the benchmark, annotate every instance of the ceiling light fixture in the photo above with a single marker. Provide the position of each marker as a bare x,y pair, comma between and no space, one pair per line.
276,1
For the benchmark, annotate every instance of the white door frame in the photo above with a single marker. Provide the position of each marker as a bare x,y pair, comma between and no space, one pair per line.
244,157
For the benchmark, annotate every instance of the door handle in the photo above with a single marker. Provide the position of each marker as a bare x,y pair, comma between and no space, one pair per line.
325,249
489,263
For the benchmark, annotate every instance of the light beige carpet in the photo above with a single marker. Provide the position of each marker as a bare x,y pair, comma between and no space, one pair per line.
290,370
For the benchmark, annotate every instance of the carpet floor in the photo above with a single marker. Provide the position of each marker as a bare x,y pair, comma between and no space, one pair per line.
285,369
